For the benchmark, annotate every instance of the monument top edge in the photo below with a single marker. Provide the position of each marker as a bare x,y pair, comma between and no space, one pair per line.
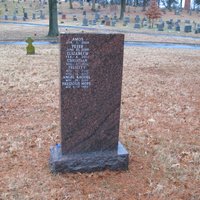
63,33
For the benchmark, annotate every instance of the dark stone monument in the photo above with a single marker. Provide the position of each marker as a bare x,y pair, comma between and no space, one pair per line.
25,15
188,28
137,19
34,16
160,27
197,30
90,98
177,27
102,22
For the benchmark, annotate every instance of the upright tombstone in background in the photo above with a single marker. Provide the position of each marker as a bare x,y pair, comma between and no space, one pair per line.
188,28
85,21
90,99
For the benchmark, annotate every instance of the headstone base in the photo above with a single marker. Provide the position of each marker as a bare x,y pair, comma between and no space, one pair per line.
89,162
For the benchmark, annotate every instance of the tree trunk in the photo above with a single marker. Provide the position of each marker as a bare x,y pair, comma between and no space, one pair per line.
181,4
123,7
70,4
144,5
93,5
187,5
53,20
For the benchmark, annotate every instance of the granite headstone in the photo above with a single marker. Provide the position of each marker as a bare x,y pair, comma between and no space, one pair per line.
85,21
90,98
188,28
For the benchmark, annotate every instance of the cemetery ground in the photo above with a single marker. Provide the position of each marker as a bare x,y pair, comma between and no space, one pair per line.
159,124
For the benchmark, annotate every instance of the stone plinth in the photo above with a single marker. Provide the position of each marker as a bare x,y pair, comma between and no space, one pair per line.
89,162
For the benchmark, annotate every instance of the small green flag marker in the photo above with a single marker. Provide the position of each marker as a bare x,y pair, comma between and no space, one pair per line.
30,49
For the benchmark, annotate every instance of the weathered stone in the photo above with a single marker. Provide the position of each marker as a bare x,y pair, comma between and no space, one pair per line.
187,28
137,26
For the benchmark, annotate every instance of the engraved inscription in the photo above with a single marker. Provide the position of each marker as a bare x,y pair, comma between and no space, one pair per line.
77,67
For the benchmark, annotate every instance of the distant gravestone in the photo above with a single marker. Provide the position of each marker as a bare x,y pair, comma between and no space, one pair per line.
126,21
34,16
81,3
160,27
90,22
25,15
75,18
177,27
106,18
113,22
115,17
85,21
177,12
30,49
90,98
197,30
187,21
107,23
63,16
137,19
14,16
188,28
170,26
42,15
144,22
102,22
94,22
137,26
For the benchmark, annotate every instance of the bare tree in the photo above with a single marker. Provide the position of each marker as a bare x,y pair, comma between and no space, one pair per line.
93,5
53,19
70,4
122,9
